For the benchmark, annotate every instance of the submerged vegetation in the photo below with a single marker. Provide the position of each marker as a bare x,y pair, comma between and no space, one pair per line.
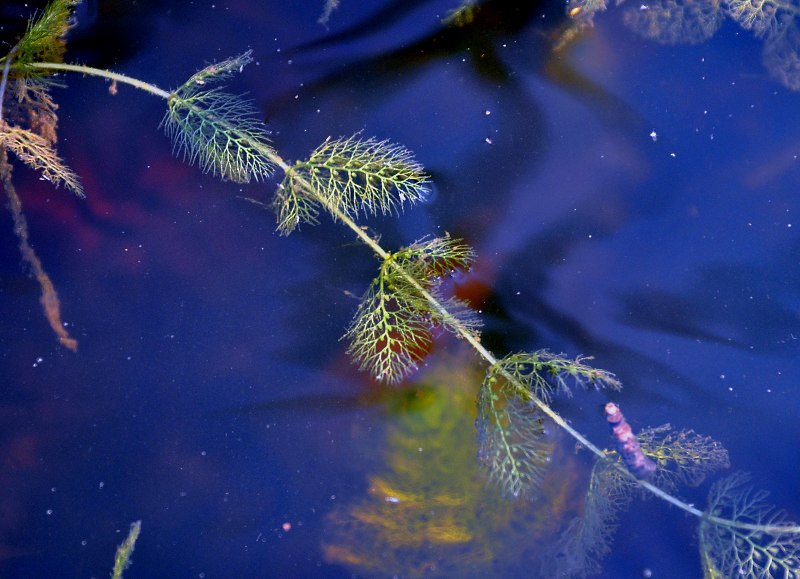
690,22
400,312
122,560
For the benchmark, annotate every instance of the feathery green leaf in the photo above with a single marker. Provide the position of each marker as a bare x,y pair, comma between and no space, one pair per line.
543,373
355,175
392,329
293,205
43,41
429,258
681,457
511,446
729,551
427,261
388,336
222,132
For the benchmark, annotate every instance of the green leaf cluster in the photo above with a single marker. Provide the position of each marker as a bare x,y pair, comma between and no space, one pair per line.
122,559
684,456
514,452
769,548
349,176
43,40
512,449
511,434
221,132
28,118
392,329
542,373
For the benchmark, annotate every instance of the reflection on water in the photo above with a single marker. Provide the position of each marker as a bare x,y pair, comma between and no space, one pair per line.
690,22
428,513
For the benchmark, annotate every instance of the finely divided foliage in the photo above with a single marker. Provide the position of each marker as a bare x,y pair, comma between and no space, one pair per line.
728,551
388,336
740,535
44,39
28,118
220,131
543,373
392,330
352,176
682,457
512,450
37,153
511,428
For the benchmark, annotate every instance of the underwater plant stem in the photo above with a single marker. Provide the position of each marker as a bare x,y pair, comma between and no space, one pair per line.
91,71
463,331
470,337
713,519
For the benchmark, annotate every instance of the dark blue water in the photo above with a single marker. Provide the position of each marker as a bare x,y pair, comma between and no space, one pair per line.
210,397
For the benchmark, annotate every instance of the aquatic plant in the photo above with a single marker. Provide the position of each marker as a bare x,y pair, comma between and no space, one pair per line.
425,513
401,310
676,21
28,130
219,131
688,22
122,560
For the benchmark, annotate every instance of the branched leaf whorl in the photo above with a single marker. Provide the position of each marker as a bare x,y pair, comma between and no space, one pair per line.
38,153
431,258
510,431
222,132
728,551
427,261
353,175
392,330
293,206
388,337
684,456
512,450
43,40
543,373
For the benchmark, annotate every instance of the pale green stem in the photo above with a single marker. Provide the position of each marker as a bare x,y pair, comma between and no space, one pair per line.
154,90
91,71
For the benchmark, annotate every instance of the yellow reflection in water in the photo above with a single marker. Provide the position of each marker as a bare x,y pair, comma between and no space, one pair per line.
428,512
